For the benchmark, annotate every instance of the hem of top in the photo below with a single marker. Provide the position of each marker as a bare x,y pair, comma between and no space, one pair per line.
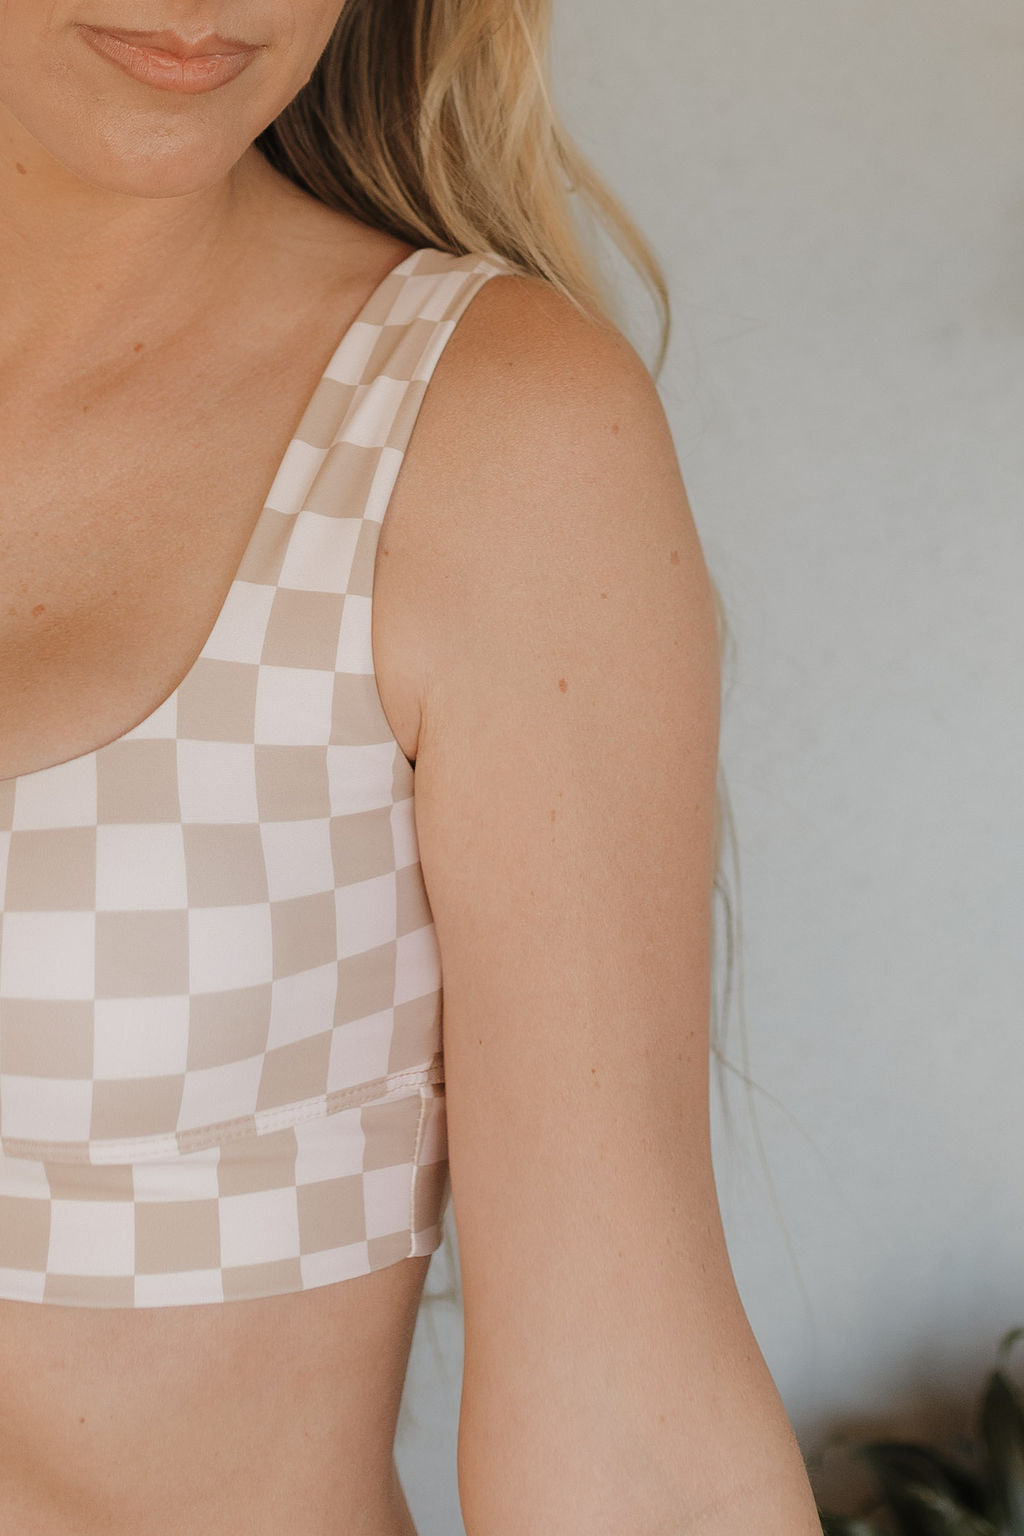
422,1243
176,1144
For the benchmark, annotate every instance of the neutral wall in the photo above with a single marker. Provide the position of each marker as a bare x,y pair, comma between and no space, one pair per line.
837,192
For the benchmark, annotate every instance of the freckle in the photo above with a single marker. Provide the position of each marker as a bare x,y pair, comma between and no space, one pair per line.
139,346
553,815
563,685
84,409
604,594
82,1420
615,428
661,1418
38,609
20,168
674,557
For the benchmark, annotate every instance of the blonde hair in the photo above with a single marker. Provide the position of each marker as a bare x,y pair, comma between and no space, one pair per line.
432,121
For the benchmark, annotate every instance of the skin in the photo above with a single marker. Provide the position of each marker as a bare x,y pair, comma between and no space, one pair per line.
546,651
140,236
119,181
565,778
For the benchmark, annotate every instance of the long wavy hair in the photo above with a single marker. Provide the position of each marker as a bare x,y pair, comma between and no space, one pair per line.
432,121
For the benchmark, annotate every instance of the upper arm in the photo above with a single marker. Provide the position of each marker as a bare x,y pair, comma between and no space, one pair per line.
564,800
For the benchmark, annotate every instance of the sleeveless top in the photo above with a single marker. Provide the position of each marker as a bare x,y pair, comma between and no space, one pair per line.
221,1066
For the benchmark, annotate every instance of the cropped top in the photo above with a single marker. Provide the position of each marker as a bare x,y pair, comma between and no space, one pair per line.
221,1064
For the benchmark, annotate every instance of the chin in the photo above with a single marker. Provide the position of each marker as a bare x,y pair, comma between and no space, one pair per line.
130,161
127,152
130,140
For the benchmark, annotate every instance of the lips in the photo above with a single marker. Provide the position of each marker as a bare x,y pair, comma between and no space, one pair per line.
169,42
169,62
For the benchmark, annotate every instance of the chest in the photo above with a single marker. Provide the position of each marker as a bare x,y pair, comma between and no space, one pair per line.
126,508
228,824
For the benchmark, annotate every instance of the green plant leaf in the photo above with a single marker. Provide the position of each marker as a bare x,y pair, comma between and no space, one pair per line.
903,1468
948,1517
1007,1342
844,1525
1002,1431
933,1468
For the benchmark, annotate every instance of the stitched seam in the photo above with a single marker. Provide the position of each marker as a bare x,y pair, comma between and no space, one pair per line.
175,1144
414,1181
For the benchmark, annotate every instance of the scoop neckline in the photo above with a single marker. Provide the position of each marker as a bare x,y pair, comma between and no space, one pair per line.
307,411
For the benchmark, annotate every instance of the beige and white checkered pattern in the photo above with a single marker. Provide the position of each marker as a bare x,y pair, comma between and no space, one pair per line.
221,1068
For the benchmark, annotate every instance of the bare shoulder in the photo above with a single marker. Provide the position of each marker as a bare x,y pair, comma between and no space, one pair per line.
526,370
541,447
523,326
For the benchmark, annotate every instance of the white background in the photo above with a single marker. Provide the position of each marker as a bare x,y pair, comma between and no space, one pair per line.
836,191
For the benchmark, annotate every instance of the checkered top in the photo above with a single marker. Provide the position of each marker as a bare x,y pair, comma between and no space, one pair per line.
221,1071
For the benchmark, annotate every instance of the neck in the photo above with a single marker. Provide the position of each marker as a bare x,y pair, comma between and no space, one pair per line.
86,269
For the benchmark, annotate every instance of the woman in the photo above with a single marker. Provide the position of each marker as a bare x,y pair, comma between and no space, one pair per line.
240,239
